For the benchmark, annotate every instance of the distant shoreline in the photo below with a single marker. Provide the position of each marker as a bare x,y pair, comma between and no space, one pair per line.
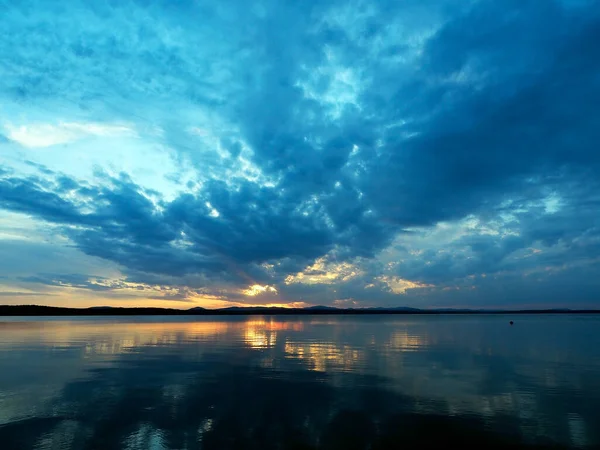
35,310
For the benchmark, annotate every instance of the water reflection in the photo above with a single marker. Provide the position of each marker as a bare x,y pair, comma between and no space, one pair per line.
299,382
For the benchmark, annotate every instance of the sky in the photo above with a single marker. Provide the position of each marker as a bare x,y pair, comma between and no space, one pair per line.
421,153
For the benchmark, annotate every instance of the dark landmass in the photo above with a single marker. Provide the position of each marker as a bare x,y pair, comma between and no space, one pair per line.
36,310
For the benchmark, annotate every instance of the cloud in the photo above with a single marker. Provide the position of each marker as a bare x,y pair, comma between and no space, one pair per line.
120,288
400,286
257,289
324,272
410,146
79,281
46,135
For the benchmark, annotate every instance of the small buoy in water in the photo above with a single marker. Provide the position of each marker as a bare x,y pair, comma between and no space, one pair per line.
511,322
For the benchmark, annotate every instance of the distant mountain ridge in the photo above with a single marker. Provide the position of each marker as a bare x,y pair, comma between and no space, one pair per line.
37,310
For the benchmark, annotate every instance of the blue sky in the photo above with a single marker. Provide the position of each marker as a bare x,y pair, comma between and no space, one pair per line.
421,153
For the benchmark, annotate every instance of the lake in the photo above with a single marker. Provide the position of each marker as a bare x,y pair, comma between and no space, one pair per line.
300,382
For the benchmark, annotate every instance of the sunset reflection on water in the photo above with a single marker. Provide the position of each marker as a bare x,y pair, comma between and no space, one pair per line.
477,366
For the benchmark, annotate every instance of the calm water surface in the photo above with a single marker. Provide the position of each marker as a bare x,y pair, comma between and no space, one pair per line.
330,382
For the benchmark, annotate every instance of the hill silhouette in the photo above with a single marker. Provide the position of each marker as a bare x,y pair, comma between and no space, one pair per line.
38,310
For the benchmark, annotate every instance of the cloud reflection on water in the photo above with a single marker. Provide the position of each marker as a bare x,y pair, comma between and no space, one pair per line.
283,382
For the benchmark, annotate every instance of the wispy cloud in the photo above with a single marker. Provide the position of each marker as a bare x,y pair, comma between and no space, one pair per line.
46,135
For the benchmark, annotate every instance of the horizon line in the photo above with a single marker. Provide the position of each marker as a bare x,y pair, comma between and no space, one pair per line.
29,309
